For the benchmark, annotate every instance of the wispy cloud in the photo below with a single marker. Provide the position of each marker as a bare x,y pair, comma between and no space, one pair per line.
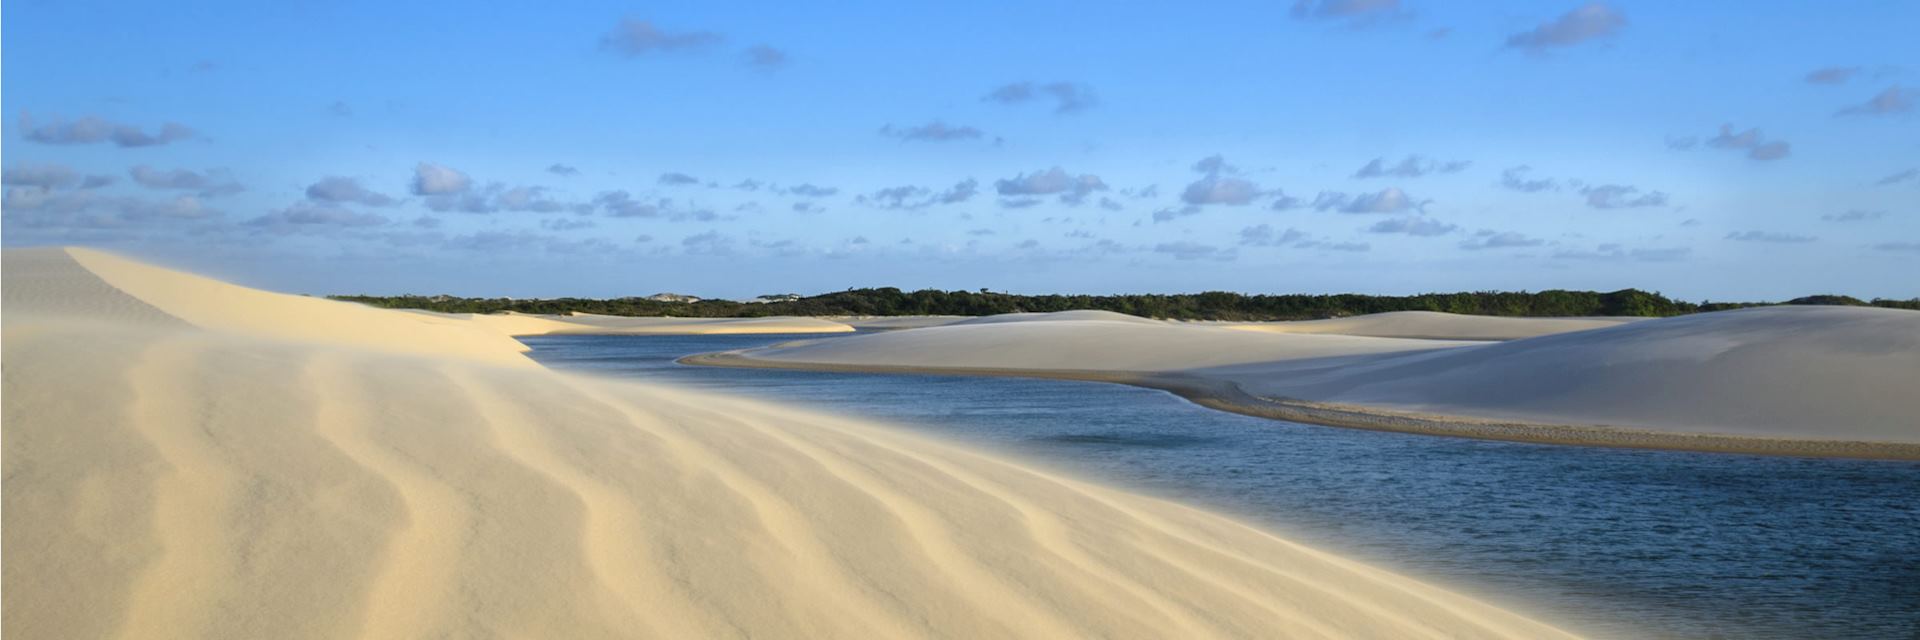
337,189
1854,215
1072,189
1412,166
1515,178
1620,196
676,179
1751,141
1388,200
1895,100
1490,239
1414,226
936,131
1898,177
1831,75
764,57
1354,12
92,129
634,37
1592,21
1769,236
1067,97
210,184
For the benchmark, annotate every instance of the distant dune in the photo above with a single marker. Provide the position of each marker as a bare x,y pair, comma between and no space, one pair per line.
1791,380
185,458
523,324
1438,326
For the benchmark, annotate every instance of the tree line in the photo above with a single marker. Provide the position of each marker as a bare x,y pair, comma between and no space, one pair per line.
1211,305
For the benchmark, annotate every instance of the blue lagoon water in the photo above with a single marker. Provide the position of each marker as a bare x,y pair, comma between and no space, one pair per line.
1608,542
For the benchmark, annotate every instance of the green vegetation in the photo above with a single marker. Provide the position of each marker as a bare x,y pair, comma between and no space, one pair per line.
1211,305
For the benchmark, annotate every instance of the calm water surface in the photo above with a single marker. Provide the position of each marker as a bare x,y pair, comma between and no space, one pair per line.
1613,543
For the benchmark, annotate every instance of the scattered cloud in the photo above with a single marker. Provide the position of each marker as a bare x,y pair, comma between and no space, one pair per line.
566,224
1619,196
1892,101
92,129
1898,177
935,131
1072,189
342,190
812,191
1751,141
1354,12
634,38
51,176
1186,250
913,197
211,184
431,179
1414,226
1067,97
764,57
49,208
1616,251
1769,236
1219,186
1264,235
620,204
562,170
1591,21
339,109
709,243
1170,214
1388,200
1515,178
1854,215
1831,75
1412,166
1490,239
673,179
1907,247
311,217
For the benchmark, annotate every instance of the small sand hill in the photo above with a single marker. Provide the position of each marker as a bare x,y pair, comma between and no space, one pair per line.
1437,326
184,460
1844,373
1082,315
1064,344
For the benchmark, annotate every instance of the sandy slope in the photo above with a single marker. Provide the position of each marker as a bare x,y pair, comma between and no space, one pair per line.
1438,326
172,471
1801,377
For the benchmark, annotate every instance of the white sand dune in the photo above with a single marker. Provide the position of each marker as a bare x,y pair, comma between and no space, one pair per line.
1799,378
1436,326
1826,373
180,466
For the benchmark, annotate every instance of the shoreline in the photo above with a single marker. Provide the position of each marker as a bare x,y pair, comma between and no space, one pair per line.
1223,395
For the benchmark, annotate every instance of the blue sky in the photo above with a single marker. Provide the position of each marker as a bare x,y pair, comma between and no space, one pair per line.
1722,150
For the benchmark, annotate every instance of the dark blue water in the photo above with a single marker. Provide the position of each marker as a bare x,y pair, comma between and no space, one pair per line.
1608,542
